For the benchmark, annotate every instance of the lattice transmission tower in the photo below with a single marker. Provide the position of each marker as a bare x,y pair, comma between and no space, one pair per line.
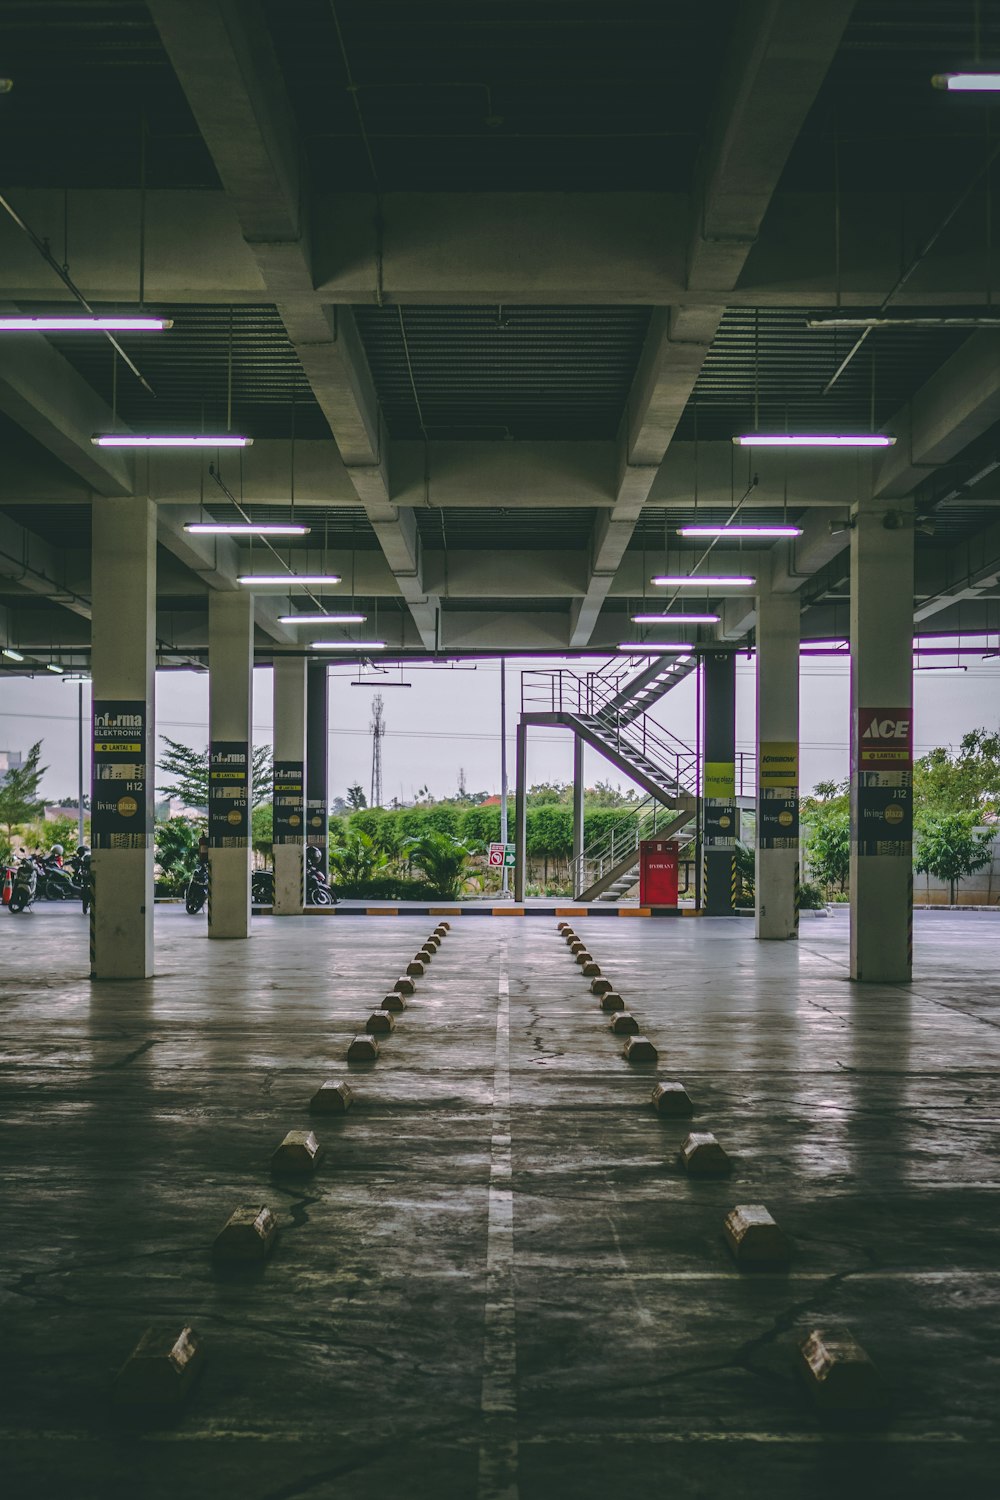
377,727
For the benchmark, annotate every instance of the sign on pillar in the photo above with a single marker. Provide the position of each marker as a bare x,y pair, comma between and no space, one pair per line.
229,794
289,801
121,803
719,830
883,785
778,830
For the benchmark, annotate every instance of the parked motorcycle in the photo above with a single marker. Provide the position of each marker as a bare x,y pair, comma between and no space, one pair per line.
55,882
25,885
83,876
262,887
197,888
318,892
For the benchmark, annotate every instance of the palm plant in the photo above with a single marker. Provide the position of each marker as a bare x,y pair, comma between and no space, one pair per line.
358,858
442,859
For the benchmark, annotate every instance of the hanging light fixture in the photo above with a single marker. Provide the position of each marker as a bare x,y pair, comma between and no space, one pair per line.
653,648
708,581
347,645
11,653
286,580
66,323
969,82
244,528
162,440
739,531
321,619
813,440
51,666
675,619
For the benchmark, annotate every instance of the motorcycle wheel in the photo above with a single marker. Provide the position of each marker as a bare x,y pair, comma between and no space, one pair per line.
320,897
193,902
17,903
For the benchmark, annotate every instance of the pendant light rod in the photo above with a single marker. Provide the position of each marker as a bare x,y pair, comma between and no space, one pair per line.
71,286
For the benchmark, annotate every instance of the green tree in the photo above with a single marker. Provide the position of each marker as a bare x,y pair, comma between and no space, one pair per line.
442,859
949,848
358,858
381,826
746,875
544,793
356,798
479,826
19,790
963,780
826,827
189,770
262,828
176,852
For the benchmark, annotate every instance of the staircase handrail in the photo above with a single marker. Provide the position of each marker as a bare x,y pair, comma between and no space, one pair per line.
621,838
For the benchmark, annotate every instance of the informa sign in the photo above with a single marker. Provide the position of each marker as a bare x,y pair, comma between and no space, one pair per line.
316,822
289,801
501,854
121,806
778,795
229,794
883,782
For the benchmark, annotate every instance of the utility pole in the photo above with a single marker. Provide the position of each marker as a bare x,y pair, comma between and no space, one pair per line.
377,727
503,765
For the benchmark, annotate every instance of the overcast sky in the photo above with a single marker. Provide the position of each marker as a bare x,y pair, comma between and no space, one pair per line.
449,720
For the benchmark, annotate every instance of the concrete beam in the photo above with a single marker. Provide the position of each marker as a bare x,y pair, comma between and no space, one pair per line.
774,66
531,248
793,563
776,61
224,61
957,405
44,395
33,565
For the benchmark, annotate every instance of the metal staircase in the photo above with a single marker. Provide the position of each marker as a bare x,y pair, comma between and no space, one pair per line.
607,711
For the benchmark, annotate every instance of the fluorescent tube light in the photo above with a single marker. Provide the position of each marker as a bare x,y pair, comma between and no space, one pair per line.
287,580
967,83
347,645
707,581
958,321
739,531
14,655
307,619
675,619
84,325
151,440
653,647
813,440
50,666
244,528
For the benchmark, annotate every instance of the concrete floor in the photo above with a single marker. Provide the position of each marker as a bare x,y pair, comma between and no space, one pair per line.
407,1337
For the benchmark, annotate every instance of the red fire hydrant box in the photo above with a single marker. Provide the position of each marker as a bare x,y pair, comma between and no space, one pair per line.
658,880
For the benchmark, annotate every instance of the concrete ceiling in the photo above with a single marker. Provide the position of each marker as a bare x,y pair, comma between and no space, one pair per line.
492,292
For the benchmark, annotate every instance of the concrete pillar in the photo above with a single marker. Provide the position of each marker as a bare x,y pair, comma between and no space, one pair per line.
882,741
230,798
124,743
777,873
520,811
317,760
289,785
578,791
720,819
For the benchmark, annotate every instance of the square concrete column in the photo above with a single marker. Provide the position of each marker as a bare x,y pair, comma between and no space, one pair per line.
776,905
123,635
230,798
578,791
289,785
882,741
317,760
720,818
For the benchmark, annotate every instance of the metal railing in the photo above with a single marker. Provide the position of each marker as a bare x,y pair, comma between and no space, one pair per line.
642,821
590,695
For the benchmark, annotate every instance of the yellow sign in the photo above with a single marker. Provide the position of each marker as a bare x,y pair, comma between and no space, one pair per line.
127,807
720,779
785,819
894,813
779,763
233,817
